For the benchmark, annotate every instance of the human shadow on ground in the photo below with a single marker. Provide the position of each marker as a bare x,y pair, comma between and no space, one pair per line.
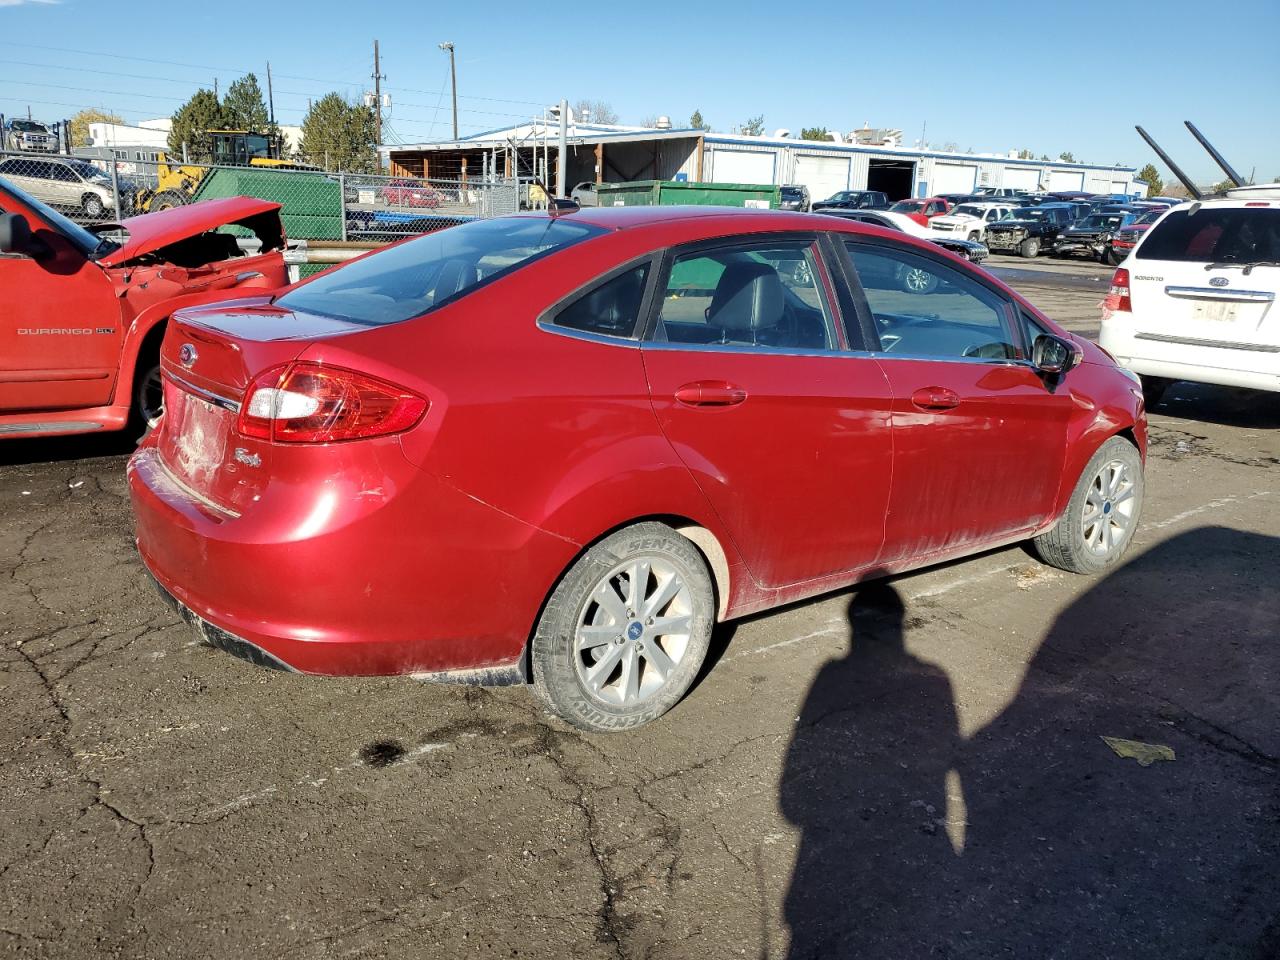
1032,838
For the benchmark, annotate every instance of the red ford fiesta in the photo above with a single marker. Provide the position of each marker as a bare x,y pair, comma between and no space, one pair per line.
558,449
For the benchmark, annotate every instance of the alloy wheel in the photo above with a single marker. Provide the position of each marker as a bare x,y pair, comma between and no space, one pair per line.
633,632
150,397
1109,508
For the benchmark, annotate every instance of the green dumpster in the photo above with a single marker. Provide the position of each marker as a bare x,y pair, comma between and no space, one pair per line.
653,193
311,203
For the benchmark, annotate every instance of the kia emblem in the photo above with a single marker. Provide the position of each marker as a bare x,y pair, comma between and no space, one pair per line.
1219,282
187,354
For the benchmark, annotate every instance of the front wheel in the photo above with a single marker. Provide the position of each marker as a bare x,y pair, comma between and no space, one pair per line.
916,280
973,236
1096,528
1030,248
626,630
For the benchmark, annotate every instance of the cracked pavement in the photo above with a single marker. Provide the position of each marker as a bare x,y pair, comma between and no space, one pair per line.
907,770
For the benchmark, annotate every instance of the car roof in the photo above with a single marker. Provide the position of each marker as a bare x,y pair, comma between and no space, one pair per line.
622,218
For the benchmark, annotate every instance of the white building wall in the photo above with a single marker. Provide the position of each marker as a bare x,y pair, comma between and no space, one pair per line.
123,135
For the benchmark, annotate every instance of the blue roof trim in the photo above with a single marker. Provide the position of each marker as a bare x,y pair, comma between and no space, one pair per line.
851,148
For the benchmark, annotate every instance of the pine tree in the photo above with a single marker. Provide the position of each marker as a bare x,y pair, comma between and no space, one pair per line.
339,136
244,107
1151,177
191,124
697,123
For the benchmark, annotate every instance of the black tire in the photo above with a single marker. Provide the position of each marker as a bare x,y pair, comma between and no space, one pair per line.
92,206
1110,259
1069,545
561,667
1030,248
1153,389
973,236
167,200
146,400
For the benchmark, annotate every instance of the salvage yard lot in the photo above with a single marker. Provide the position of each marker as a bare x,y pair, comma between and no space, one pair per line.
907,770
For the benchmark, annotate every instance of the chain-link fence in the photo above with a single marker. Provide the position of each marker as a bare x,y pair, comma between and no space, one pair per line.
315,205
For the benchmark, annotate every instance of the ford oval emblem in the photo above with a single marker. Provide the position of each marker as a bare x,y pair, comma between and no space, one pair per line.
1219,282
187,354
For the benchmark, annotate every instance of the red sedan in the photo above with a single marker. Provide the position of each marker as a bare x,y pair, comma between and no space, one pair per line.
411,193
558,449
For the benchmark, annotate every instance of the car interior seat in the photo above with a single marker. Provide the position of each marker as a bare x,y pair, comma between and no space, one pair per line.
748,304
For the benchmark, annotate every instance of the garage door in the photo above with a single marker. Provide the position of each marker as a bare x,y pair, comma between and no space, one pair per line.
823,175
1066,180
740,166
954,177
1021,178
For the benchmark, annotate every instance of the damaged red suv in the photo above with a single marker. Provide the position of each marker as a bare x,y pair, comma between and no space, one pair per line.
86,309
558,449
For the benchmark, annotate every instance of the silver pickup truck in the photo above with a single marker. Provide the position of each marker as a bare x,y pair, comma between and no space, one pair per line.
30,136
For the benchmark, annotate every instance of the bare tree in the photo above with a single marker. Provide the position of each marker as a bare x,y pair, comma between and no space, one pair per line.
595,111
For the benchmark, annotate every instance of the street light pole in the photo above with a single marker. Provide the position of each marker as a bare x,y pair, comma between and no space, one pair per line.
453,84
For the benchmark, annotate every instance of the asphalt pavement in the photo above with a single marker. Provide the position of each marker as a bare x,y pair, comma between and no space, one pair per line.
911,769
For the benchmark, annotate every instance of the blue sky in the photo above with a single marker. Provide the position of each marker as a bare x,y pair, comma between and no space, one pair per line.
1045,76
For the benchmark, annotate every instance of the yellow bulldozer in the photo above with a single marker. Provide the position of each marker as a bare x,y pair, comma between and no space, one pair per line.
177,183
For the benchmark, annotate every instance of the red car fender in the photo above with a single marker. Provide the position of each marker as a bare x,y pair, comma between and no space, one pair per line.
147,320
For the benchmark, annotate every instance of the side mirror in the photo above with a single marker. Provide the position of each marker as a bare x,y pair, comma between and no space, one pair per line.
1054,356
15,233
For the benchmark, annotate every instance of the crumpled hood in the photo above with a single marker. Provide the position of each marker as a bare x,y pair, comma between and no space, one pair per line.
149,232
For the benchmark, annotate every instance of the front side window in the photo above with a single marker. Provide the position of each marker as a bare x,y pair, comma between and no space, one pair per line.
417,276
611,309
923,308
765,295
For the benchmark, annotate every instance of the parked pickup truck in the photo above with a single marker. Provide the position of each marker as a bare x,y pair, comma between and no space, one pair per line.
85,310
29,136
1028,230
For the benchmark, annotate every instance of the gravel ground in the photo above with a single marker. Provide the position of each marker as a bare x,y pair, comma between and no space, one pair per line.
913,769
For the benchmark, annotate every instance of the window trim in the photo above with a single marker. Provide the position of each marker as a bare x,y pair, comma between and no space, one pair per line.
546,321
827,285
867,321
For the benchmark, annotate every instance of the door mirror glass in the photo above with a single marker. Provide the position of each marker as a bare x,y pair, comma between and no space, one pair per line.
1053,356
15,233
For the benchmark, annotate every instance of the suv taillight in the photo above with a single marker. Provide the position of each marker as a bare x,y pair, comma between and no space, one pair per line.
311,403
1118,298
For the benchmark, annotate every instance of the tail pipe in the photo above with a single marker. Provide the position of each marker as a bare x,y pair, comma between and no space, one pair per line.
1177,171
1218,158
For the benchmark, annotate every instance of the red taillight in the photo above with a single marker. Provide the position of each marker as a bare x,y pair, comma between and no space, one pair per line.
1118,298
312,403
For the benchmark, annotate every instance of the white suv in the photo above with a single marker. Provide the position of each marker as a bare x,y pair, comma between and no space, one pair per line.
969,220
1196,298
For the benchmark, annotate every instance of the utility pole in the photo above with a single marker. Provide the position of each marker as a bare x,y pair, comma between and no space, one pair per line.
564,148
215,88
377,91
271,99
453,85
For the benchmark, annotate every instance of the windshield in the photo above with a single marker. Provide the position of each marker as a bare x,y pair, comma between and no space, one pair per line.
1025,213
417,276
908,206
87,243
1225,235
1101,223
1151,216
28,126
965,210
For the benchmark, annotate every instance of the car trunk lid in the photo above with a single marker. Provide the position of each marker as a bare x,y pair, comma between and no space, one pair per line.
1178,302
209,358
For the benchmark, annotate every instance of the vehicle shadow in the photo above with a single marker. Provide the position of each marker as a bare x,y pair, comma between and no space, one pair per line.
1032,838
1228,406
57,449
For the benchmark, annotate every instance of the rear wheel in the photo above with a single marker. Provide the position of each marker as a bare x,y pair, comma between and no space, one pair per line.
92,205
1095,530
1153,389
626,630
916,280
167,200
1030,248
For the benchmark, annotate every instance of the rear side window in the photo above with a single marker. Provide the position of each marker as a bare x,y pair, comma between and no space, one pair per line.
610,309
1230,235
418,276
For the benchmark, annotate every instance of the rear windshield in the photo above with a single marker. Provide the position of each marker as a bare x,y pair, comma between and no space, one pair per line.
419,275
1225,235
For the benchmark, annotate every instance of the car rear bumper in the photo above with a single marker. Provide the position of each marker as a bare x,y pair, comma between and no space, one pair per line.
1199,360
427,582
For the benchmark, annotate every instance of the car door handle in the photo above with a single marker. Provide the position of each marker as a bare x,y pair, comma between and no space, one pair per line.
710,393
935,398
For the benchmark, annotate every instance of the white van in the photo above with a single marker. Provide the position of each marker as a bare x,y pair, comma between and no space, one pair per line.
1196,298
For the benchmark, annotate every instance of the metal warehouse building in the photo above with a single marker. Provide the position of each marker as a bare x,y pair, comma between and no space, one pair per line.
610,154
